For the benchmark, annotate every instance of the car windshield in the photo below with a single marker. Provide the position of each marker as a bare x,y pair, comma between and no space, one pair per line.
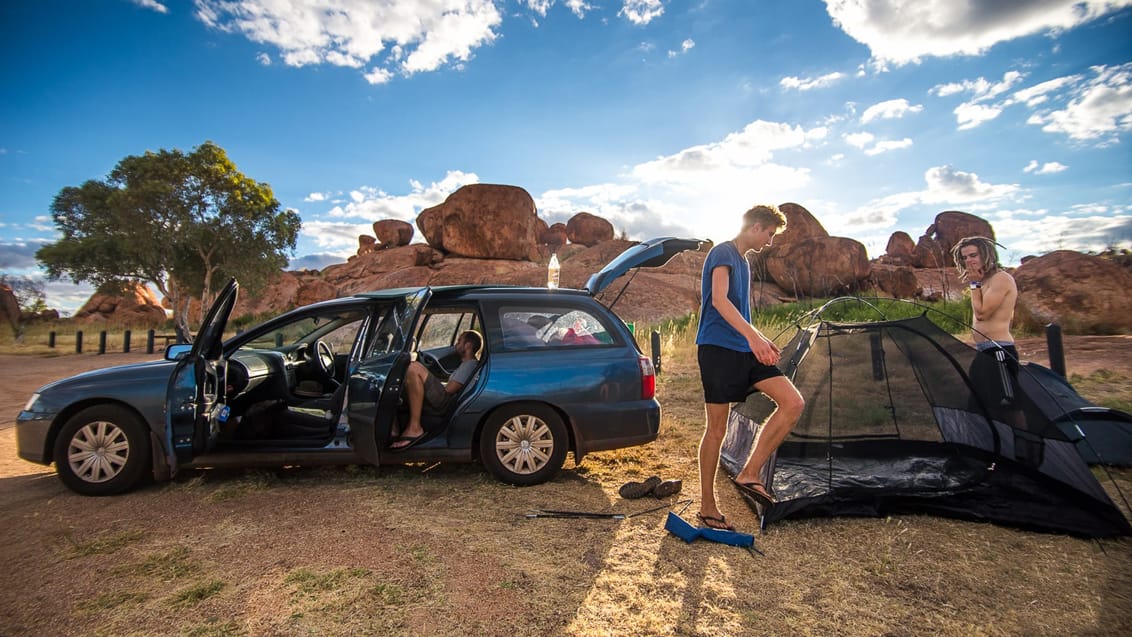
337,328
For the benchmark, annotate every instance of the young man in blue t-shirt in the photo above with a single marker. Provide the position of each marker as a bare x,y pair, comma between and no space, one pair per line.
736,360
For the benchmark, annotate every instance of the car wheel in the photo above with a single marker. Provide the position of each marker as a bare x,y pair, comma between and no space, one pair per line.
524,444
102,450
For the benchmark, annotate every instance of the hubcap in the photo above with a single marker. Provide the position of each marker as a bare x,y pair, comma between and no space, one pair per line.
524,444
98,451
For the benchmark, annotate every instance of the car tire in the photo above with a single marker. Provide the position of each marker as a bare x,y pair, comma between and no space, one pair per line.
524,444
102,450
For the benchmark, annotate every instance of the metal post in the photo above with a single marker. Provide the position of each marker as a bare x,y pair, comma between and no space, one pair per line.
102,342
79,342
1056,349
656,350
51,339
126,342
149,342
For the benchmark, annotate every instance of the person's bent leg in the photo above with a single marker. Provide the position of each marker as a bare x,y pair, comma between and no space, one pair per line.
789,406
415,379
710,444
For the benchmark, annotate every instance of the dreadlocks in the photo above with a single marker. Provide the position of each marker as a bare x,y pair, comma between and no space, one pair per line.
988,254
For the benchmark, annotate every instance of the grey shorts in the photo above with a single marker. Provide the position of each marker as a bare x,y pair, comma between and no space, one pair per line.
435,397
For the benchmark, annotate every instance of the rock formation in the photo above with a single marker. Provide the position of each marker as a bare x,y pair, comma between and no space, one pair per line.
9,307
588,230
483,221
1082,293
134,305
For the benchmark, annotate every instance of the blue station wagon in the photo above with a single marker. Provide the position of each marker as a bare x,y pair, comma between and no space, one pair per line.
323,384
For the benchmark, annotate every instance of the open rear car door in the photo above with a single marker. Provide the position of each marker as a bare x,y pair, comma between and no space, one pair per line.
194,399
647,254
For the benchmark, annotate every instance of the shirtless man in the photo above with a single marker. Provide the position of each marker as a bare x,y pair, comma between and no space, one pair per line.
993,295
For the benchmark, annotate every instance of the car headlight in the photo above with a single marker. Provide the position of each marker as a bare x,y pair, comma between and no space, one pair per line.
31,402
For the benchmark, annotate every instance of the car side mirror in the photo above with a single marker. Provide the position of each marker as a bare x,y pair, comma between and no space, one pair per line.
178,351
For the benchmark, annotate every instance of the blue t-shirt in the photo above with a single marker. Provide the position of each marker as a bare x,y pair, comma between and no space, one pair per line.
714,329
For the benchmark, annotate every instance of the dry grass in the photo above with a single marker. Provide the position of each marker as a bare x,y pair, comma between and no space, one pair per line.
428,550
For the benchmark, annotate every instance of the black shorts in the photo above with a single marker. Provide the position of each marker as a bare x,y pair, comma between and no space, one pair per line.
996,382
730,376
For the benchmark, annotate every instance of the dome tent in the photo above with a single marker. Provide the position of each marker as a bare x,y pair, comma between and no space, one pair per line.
893,424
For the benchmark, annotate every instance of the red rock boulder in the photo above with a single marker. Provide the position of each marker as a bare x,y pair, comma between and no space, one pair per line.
930,254
1082,293
819,266
554,236
900,249
135,304
897,281
951,226
392,233
366,244
483,221
588,229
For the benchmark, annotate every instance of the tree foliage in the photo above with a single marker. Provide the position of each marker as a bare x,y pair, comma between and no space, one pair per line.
182,222
28,292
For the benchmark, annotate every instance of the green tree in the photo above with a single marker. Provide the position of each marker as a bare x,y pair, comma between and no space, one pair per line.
182,222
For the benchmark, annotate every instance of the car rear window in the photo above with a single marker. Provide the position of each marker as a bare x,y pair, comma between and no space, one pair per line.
527,328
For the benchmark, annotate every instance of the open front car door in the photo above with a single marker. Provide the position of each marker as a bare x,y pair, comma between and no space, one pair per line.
194,400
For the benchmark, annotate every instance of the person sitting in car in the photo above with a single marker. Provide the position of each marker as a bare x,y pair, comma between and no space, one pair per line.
423,388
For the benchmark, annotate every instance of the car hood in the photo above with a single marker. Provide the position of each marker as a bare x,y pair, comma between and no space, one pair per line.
117,375
647,254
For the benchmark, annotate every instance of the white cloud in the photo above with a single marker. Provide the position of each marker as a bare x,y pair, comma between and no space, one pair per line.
421,35
263,58
903,31
151,4
685,46
315,196
1039,93
887,145
891,109
970,115
1086,227
641,11
945,187
1100,108
539,6
806,84
1047,168
859,140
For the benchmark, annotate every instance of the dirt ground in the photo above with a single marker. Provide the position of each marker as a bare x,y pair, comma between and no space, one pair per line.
235,530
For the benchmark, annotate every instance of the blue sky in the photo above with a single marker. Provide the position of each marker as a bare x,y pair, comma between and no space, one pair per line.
663,116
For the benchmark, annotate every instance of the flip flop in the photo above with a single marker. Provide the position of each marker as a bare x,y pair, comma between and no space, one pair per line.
756,490
710,521
408,440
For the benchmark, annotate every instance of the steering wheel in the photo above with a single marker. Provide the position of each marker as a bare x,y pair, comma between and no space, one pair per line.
431,362
323,359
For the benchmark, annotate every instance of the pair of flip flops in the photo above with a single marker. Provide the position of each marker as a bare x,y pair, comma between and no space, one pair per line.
408,440
653,486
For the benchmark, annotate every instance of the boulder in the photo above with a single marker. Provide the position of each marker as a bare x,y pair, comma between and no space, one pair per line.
951,226
938,284
897,281
9,307
554,236
588,230
131,304
393,233
360,270
800,225
819,266
930,254
1084,294
366,244
483,221
900,249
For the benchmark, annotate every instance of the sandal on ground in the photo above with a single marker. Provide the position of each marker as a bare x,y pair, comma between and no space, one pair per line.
712,522
401,443
634,490
757,491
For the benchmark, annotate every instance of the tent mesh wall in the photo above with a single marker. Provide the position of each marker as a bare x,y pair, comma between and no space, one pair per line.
894,424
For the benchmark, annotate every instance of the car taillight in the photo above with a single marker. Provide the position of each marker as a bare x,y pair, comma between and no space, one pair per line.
648,377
